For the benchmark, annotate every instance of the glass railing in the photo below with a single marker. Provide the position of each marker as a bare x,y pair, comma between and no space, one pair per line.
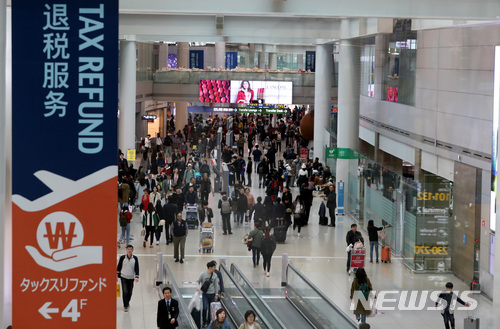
185,319
270,316
327,314
194,77
235,296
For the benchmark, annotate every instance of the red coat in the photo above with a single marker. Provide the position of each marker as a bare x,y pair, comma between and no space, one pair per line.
145,202
241,96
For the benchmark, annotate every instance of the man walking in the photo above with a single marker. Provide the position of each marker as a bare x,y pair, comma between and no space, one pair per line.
351,238
209,286
225,206
168,311
331,204
449,297
180,232
128,271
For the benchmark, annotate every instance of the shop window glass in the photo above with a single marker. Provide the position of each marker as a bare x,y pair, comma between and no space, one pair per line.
400,65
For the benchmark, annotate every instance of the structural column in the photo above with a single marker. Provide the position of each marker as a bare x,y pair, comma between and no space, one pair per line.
496,264
380,60
262,60
181,115
300,61
163,56
273,61
348,104
5,167
126,121
220,55
322,98
183,54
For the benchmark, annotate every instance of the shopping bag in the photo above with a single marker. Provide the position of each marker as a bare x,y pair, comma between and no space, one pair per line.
118,289
195,302
143,232
373,303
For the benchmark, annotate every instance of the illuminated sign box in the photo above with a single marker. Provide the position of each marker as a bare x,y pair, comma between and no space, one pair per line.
245,91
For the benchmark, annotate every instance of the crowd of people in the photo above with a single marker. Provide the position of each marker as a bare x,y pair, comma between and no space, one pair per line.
174,171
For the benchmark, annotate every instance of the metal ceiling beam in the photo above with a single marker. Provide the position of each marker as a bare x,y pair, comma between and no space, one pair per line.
283,30
434,9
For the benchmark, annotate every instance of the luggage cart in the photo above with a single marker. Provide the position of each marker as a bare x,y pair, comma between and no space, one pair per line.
357,259
207,237
192,216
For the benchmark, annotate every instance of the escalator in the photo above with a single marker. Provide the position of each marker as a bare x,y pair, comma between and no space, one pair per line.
299,304
235,301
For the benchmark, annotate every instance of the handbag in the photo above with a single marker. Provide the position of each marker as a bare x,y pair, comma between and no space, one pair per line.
249,242
161,222
297,216
204,287
381,234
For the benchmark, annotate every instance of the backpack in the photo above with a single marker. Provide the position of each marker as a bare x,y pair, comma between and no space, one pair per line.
123,220
225,207
275,186
364,289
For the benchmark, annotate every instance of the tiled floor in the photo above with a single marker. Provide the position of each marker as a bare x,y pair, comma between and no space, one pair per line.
319,253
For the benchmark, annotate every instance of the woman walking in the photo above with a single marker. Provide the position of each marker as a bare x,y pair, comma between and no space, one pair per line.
362,284
150,222
267,249
256,236
298,213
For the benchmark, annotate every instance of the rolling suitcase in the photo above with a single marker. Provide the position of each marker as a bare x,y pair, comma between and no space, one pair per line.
386,254
471,322
214,307
323,220
280,233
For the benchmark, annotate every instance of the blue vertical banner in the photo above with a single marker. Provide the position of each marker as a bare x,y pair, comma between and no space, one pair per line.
64,160
196,59
231,59
340,198
311,61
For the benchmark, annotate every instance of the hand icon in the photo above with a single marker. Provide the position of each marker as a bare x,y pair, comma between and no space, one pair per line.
67,259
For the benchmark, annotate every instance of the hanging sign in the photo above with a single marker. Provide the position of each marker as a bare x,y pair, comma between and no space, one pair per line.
65,53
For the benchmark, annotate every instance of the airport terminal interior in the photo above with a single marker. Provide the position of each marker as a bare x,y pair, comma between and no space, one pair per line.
400,100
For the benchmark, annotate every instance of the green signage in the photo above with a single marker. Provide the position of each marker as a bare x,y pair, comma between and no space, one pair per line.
263,110
341,153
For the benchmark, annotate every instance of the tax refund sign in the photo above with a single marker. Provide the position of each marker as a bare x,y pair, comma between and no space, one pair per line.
65,91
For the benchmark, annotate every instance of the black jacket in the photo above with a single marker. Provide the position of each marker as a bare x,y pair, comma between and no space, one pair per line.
162,316
373,232
201,213
170,212
352,237
259,210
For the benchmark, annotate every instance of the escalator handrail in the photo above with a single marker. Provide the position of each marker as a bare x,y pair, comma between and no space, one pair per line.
244,294
259,297
183,307
321,294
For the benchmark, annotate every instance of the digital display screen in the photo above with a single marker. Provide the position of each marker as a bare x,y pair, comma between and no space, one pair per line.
246,92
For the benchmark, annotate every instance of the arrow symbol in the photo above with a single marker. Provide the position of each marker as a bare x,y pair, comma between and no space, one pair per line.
45,310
